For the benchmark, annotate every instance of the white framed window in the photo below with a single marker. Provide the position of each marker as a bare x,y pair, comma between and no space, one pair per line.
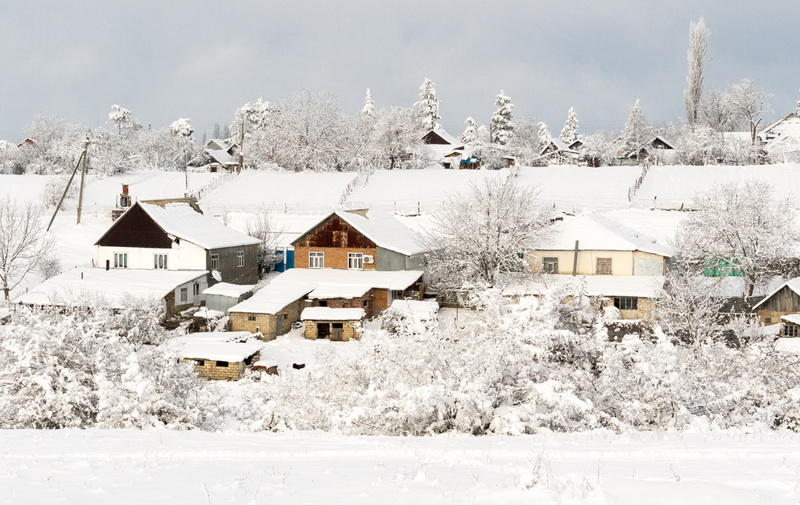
196,289
550,265
316,259
215,262
184,295
120,260
240,258
355,260
160,261
626,302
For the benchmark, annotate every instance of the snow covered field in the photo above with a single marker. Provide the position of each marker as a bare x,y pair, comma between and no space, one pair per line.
155,467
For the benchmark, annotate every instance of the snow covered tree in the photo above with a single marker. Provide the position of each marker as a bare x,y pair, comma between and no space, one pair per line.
478,237
396,139
636,132
123,118
501,126
525,146
543,135
714,111
747,104
695,56
470,134
688,308
24,243
427,108
740,229
181,127
368,111
569,133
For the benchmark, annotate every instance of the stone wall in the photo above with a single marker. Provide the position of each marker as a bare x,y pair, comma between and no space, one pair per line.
267,324
350,330
210,370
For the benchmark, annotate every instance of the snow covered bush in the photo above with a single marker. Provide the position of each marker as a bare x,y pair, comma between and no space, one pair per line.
72,370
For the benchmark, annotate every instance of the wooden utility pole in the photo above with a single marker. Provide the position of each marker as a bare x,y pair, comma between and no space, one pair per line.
241,148
84,168
575,260
64,194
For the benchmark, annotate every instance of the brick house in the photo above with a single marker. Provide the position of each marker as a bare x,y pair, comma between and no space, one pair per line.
218,355
359,240
272,310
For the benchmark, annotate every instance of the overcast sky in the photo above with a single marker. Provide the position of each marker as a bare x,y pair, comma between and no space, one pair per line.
201,60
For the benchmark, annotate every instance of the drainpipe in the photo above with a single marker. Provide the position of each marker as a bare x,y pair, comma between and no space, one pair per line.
575,260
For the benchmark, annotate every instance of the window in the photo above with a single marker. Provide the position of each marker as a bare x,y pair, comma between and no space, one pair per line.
239,258
184,295
316,259
160,261
550,265
791,330
323,303
215,262
222,364
196,289
251,317
397,294
355,261
120,260
603,266
626,302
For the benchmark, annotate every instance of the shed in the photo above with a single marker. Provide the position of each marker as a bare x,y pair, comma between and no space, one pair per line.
783,301
331,323
224,295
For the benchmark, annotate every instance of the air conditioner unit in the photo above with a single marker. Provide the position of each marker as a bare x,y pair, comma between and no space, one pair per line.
368,258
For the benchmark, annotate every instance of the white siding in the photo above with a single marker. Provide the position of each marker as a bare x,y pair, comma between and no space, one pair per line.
183,256
191,299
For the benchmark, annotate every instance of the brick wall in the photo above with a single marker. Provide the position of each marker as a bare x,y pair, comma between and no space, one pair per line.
267,323
335,257
210,370
350,329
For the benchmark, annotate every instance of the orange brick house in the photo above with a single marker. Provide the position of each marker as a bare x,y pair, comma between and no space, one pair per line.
359,240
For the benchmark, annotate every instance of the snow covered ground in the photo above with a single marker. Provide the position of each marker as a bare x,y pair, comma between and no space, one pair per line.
155,467
672,186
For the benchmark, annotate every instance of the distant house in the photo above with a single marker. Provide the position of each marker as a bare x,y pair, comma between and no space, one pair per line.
634,296
359,240
597,245
220,155
556,152
272,310
657,150
782,138
176,237
783,301
442,147
334,324
224,295
117,288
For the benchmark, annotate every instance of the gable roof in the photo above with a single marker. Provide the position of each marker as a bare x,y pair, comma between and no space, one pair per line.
598,232
382,228
663,141
299,282
556,146
643,286
444,135
182,222
788,117
792,284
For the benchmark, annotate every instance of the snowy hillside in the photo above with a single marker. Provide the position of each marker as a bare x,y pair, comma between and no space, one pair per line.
172,467
674,186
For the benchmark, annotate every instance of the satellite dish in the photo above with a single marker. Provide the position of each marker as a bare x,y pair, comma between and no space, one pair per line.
216,275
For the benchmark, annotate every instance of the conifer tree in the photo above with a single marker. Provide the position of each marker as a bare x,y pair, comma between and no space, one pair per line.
502,125
569,133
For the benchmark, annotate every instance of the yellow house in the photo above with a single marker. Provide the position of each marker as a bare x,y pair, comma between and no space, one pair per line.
597,245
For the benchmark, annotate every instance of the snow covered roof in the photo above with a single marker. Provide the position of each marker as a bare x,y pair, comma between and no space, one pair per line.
383,228
299,282
181,221
789,345
111,288
331,314
792,284
791,318
221,157
228,289
423,309
599,233
643,286
787,125
221,351
445,135
325,291
211,336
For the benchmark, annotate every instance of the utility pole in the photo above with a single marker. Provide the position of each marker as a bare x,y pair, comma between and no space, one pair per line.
241,147
84,168
66,189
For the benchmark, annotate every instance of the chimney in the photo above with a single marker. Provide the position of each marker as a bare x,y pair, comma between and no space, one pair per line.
125,189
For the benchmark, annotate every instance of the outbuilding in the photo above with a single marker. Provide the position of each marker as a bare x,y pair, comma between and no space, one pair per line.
331,323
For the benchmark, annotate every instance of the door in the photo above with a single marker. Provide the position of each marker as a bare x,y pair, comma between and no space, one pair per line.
279,324
603,266
323,330
337,331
